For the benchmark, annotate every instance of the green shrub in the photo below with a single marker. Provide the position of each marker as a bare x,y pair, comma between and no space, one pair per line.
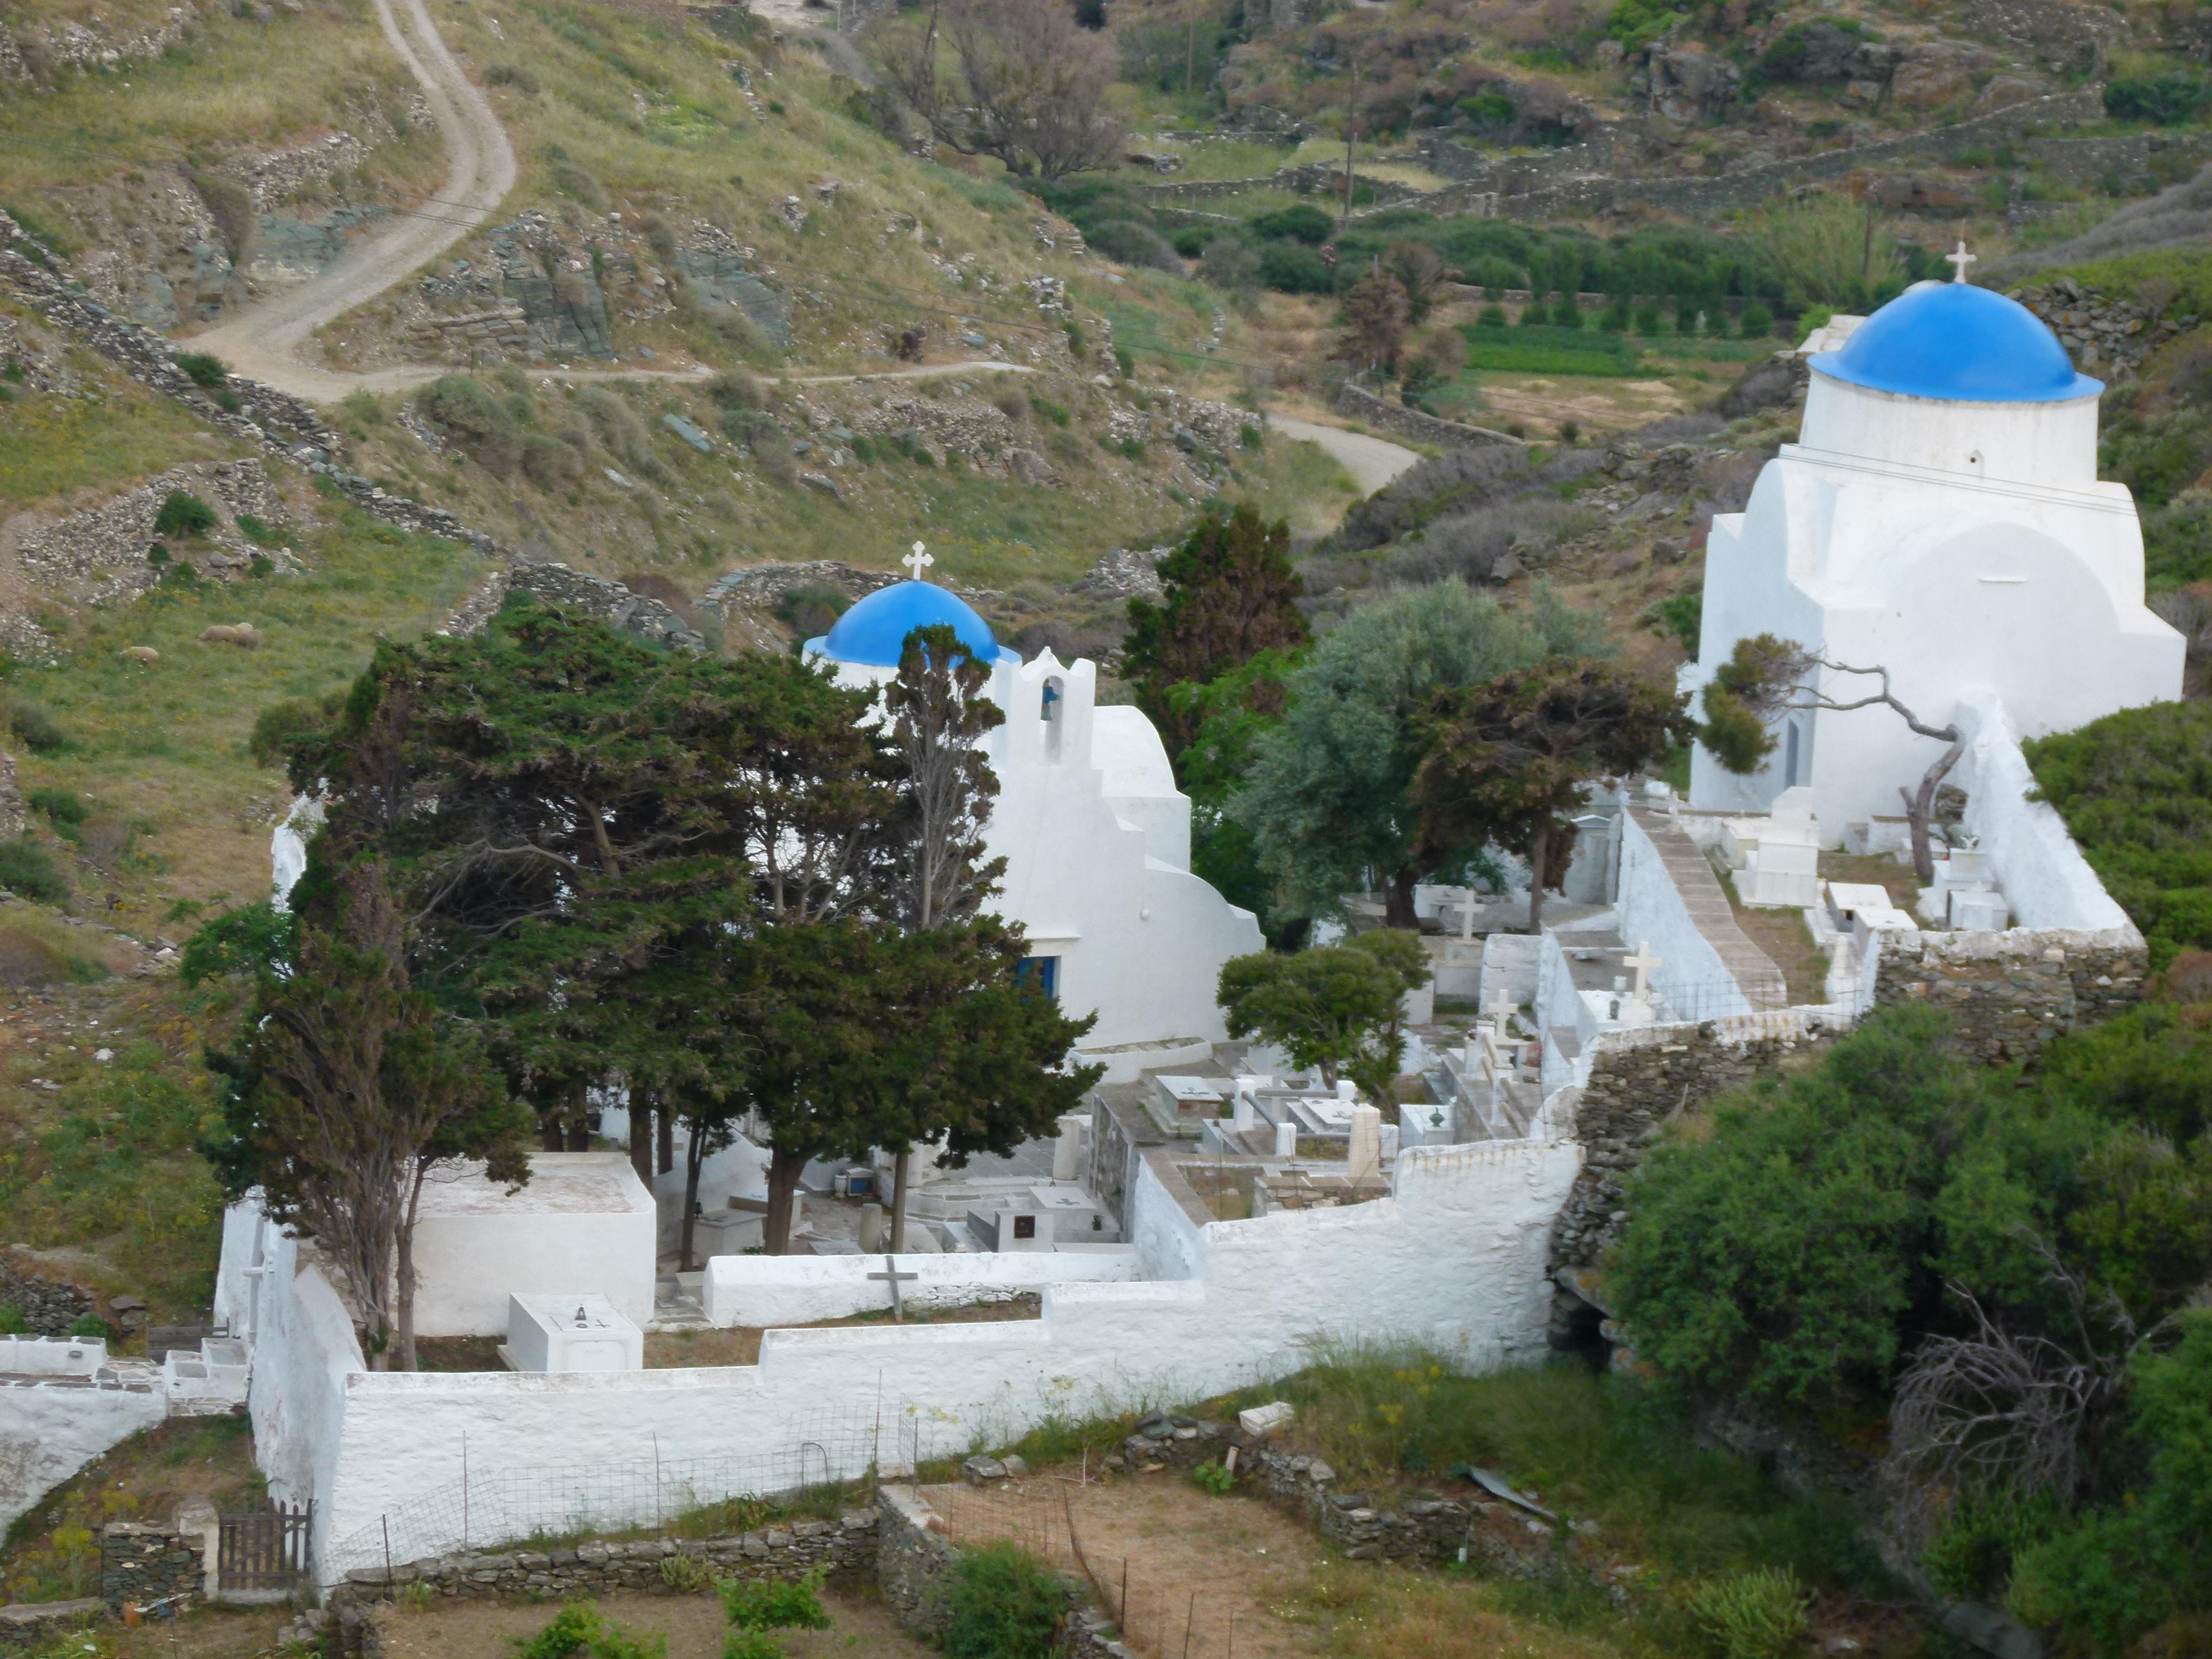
773,1605
482,423
741,1643
64,808
257,531
202,370
514,75
580,1631
183,514
1971,1558
91,1327
1056,413
11,1319
1758,1614
1302,222
27,871
1217,1479
281,723
1076,342
1133,244
2167,100
1250,436
1004,1604
1756,320
687,1573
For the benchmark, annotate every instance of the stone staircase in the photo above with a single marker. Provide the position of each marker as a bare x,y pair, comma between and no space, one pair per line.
678,1303
1753,969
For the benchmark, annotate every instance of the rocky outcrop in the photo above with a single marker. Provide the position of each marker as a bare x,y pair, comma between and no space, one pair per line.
1686,81
609,602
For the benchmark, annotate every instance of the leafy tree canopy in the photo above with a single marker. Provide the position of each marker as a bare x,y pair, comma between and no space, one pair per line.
1339,1008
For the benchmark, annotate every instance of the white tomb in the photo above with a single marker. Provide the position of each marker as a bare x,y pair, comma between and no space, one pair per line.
583,1332
584,1223
1095,834
1940,516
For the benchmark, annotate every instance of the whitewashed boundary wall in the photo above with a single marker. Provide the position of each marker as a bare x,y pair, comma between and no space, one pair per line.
1694,978
801,1290
2037,867
56,1417
1454,1260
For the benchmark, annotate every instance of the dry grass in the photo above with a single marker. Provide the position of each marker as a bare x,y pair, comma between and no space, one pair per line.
235,84
53,447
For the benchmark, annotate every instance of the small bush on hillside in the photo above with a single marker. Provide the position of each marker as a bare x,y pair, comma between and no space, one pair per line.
12,1322
202,370
27,871
2165,99
41,733
283,724
257,531
573,181
91,1327
183,514
64,808
1005,1604
1301,223
27,960
483,425
1134,244
811,609
687,1573
1755,1615
773,1605
515,75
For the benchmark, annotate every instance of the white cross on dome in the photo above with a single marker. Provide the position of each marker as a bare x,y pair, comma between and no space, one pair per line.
1959,261
918,561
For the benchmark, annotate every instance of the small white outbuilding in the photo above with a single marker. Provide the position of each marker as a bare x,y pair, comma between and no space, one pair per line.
1940,516
583,1225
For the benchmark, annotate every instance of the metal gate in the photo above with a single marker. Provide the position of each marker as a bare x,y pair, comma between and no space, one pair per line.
266,1549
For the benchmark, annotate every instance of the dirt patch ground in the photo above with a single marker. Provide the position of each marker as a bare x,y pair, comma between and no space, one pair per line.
864,1628
1226,1572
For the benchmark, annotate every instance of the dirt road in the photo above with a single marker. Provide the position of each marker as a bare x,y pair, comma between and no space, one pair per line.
259,342
1373,462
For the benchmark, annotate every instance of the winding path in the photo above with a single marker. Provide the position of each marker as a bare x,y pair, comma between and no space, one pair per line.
259,341
1373,462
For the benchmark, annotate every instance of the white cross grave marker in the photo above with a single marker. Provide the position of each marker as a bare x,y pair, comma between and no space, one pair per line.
1501,1010
1959,261
918,561
1641,961
891,1272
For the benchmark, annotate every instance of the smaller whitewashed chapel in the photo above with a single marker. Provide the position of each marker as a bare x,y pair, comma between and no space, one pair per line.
1095,834
1940,516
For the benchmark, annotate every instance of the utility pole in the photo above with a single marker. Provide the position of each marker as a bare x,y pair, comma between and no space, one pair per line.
1351,134
1190,54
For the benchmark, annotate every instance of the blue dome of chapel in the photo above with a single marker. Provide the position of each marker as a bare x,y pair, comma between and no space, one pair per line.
1961,343
873,632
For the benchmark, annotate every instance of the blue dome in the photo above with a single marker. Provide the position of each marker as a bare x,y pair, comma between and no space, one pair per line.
1959,343
873,632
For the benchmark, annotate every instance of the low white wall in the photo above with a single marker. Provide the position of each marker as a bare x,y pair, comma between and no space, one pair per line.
2038,866
801,1290
48,1431
1454,1259
51,1356
1692,977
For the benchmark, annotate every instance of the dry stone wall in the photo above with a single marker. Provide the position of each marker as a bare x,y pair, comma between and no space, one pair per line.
144,1563
48,1307
99,556
2009,993
1356,400
844,1548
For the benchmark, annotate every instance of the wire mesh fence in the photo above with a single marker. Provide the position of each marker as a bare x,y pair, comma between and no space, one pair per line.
493,1507
1159,1612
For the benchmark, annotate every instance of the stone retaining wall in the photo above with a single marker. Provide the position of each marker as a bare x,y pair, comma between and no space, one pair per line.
31,1624
2011,993
1574,197
845,1548
1358,401
609,602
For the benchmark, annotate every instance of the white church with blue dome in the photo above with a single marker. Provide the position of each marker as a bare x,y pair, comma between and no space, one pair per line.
1095,834
1940,516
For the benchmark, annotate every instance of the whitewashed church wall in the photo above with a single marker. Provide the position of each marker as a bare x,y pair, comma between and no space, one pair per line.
1140,784
303,1354
1454,1259
1692,977
48,1431
468,1264
2050,445
798,1289
2037,865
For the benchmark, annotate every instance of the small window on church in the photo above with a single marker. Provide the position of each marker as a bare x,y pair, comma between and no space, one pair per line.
1051,710
1043,972
1974,463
